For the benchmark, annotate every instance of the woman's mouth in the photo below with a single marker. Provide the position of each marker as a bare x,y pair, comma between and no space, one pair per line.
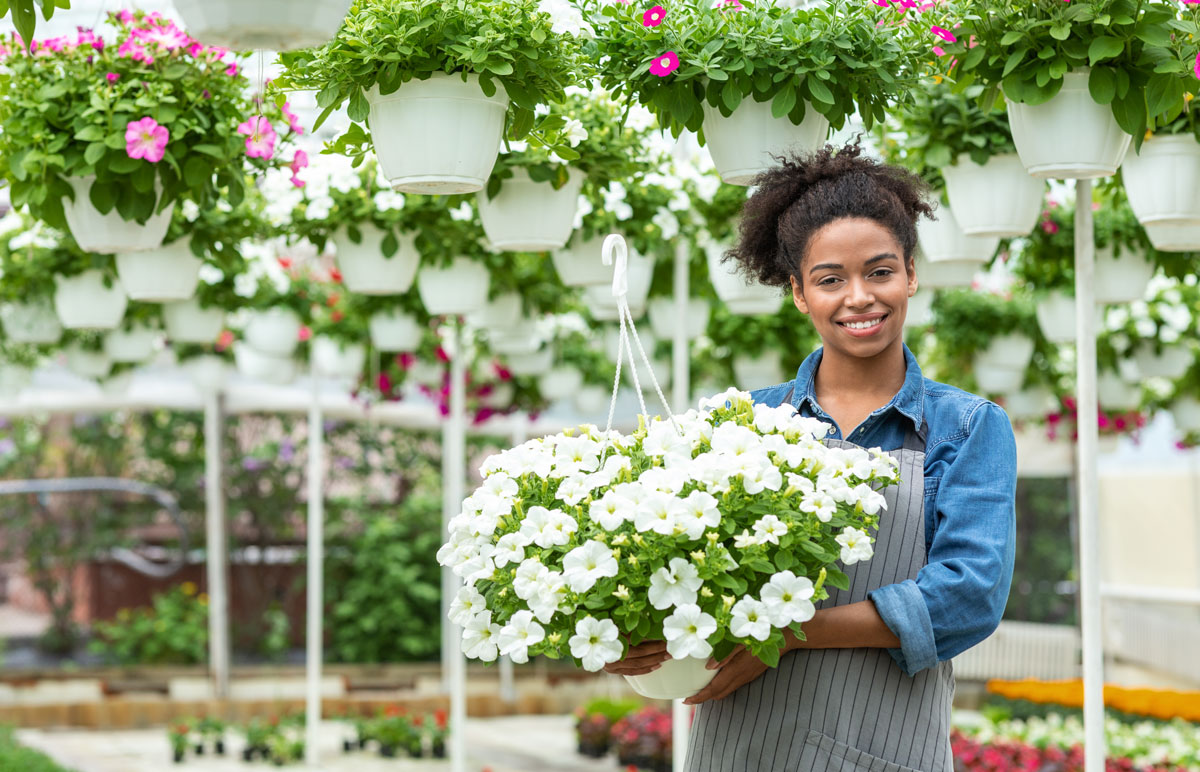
864,328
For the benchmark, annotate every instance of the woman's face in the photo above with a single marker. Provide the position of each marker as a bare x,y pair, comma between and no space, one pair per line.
854,287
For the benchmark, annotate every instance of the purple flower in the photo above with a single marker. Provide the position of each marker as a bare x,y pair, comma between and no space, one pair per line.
252,464
287,451
7,446
343,462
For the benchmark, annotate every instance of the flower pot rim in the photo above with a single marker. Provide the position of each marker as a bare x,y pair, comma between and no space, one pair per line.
440,77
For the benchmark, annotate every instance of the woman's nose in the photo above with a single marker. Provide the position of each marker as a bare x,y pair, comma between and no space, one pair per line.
858,294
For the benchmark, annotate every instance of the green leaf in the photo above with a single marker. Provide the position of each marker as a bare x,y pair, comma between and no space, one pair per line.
116,140
1010,37
24,19
783,102
1014,59
819,91
390,244
359,108
95,151
1102,85
91,133
1163,92
1060,31
731,95
1104,47
1130,112
836,578
197,173
102,196
500,68
209,150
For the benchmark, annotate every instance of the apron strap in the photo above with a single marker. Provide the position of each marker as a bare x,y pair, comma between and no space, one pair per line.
913,440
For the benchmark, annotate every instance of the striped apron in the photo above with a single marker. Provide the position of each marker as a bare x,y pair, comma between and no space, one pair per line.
842,710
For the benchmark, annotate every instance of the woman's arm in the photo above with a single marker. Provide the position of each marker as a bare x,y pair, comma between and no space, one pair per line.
853,626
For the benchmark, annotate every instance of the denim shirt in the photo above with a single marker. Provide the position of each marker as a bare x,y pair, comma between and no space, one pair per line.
970,467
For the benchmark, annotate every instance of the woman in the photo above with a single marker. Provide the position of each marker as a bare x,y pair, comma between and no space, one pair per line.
870,687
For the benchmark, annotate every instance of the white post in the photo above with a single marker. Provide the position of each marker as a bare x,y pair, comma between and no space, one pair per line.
217,547
316,538
680,357
454,464
1089,526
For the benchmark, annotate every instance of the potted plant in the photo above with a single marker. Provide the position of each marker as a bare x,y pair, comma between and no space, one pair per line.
256,24
178,734
439,732
1076,77
121,151
705,68
207,365
26,292
457,279
137,337
339,333
437,108
258,735
991,336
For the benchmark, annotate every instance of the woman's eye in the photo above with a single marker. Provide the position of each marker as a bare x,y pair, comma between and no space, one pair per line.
827,280
883,272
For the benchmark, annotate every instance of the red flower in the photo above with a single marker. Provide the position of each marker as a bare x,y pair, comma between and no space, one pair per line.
335,275
337,316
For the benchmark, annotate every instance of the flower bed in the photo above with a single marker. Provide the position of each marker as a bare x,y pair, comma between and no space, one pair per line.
1156,703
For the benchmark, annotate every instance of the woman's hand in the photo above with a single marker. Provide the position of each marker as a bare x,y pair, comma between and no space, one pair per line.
644,658
735,671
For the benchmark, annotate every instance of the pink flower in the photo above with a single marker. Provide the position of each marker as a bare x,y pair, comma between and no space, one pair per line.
305,333
89,38
146,139
1049,226
725,5
112,77
653,17
125,16
196,48
232,70
260,137
168,36
299,161
665,64
939,50
944,34
1196,69
292,119
135,51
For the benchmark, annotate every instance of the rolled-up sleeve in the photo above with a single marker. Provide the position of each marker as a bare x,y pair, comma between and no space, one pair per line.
958,598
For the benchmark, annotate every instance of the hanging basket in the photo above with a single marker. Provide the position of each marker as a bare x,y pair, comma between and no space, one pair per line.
187,322
997,198
1172,363
1012,351
663,319
207,373
33,322
110,233
674,679
578,264
117,385
335,359
1056,316
1029,404
528,216
520,338
438,136
943,241
1161,180
527,365
1174,238
88,364
502,311
920,309
1122,279
946,273
273,25
83,302
1115,393
757,371
160,275
742,143
743,297
394,331
560,382
458,289
603,305
1186,411
1040,456
13,378
261,366
1070,136
367,271
499,398
274,331
133,345
993,379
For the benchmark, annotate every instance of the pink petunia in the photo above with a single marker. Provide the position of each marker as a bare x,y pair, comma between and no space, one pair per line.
1196,69
292,119
665,65
196,48
232,70
146,139
260,137
654,16
89,38
1049,226
944,34
168,36
305,333
939,50
135,51
725,5
112,77
125,16
299,161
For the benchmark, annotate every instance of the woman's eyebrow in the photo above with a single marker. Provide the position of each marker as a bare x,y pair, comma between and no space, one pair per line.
838,266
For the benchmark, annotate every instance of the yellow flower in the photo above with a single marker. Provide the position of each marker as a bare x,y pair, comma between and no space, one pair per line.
937,78
1188,97
1149,134
188,588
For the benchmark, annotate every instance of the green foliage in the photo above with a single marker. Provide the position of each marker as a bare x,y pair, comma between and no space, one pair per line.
173,632
613,710
24,17
18,758
32,254
965,322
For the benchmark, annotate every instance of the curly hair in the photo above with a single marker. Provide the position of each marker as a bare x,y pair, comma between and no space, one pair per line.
808,191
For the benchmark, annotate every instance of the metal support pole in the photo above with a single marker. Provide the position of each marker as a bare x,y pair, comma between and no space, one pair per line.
454,466
316,538
680,396
1089,525
216,546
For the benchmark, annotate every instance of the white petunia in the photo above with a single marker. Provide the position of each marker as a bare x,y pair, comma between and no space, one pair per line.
657,513
478,567
664,480
574,489
663,440
574,132
548,527
610,511
549,592
675,584
820,504
687,631
856,546
762,477
587,564
734,440
746,539
787,598
769,528
871,500
698,514
529,573
750,619
480,636
734,397
510,548
798,483
500,485
518,635
596,643
773,419
466,604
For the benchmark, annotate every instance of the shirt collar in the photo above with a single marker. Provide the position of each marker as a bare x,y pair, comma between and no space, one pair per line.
909,401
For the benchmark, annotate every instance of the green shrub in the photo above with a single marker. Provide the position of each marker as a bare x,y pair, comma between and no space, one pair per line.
16,758
173,632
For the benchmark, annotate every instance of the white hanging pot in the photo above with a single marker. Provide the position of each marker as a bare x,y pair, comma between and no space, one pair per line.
261,366
942,240
742,143
1107,443
394,331
742,297
662,371
166,273
578,264
603,306
1070,136
1172,363
33,322
560,382
1012,351
367,271
133,345
438,136
946,273
1040,456
1032,403
1116,394
1186,411
1056,316
1121,279
109,233
87,364
920,309
187,322
500,397
528,216
756,372
502,311
674,679
993,379
600,300
591,400
273,331
117,385
1169,237
13,378
1162,180
426,372
458,289
336,359
207,372
83,302
997,198
663,317
536,363
612,343
273,25
520,338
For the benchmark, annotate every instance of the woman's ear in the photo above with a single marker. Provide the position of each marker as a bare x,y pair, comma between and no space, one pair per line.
912,277
798,295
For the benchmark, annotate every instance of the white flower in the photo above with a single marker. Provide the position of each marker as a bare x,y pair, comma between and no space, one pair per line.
769,528
574,489
480,636
662,440
574,132
675,585
587,563
466,604
734,440
666,221
387,200
746,539
463,212
761,476
856,546
478,567
664,480
500,485
518,635
699,513
614,201
819,503
610,511
687,631
549,592
733,396
596,643
871,500
657,513
191,210
787,598
798,483
527,580
509,549
773,419
750,619
548,527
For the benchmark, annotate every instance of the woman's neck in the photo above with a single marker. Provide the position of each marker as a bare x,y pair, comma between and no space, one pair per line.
841,377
